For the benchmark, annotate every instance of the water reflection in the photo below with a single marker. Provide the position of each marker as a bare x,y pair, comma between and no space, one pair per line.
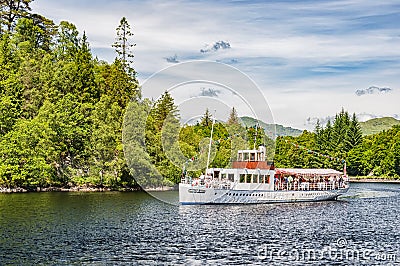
120,228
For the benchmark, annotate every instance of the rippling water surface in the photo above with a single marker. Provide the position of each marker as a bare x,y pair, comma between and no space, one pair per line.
361,228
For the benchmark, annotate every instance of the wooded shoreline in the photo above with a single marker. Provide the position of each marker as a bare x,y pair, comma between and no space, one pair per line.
164,188
63,189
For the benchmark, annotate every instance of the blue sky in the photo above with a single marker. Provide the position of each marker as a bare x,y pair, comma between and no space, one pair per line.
308,58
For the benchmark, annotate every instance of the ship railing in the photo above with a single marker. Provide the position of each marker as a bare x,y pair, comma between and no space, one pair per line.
186,179
305,186
201,183
222,185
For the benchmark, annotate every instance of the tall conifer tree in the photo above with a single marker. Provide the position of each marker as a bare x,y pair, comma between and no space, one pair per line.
354,134
123,44
233,117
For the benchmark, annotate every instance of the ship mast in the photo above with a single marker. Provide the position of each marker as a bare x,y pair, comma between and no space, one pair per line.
255,138
209,146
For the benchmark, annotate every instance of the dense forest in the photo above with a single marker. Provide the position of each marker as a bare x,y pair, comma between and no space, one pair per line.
69,119
342,142
61,108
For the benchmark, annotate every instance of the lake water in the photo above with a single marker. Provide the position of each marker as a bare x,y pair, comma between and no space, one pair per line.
134,228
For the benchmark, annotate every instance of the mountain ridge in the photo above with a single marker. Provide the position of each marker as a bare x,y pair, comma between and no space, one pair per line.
272,130
376,125
369,127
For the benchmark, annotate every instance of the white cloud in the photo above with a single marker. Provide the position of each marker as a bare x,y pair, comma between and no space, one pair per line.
372,90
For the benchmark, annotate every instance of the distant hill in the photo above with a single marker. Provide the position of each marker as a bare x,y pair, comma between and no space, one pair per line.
272,130
377,125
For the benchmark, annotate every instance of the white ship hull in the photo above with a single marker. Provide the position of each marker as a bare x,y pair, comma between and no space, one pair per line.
190,195
251,180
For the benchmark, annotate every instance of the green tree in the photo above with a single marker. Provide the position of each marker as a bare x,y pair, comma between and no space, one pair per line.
256,136
296,152
84,84
233,117
29,39
74,70
319,138
163,107
163,118
70,119
10,11
339,130
34,33
113,80
353,134
327,137
67,40
107,158
138,157
10,83
237,134
123,45
9,113
27,155
206,120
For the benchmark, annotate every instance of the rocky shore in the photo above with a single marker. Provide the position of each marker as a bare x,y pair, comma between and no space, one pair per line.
12,190
70,189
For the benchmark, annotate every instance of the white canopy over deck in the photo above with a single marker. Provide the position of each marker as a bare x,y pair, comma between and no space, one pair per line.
307,172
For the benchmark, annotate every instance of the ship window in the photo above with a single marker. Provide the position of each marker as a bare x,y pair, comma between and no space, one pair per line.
242,176
231,177
252,156
248,178
245,156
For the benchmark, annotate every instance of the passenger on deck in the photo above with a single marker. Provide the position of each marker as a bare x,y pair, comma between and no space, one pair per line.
276,181
290,182
202,177
295,183
334,180
340,182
